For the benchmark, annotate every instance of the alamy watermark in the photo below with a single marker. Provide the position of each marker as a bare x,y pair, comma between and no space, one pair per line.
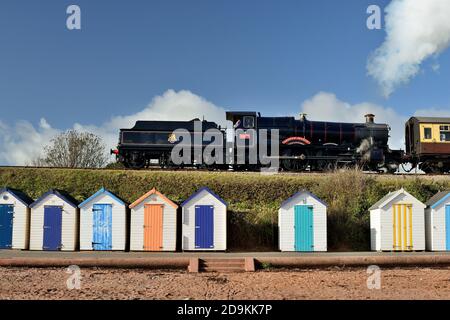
74,281
73,21
209,147
374,278
374,20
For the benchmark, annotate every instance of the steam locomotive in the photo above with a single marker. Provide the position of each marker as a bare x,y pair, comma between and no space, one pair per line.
304,145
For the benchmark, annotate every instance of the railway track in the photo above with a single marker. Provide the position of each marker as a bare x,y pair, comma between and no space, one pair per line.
159,169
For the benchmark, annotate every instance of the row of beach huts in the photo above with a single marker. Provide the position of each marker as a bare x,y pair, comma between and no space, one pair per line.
104,222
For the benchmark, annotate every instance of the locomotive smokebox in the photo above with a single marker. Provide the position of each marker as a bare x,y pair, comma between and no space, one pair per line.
370,118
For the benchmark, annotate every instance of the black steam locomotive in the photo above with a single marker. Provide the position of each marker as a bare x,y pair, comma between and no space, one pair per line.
303,144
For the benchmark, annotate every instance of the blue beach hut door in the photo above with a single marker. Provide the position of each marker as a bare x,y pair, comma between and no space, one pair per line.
102,233
6,226
304,231
447,226
204,227
52,228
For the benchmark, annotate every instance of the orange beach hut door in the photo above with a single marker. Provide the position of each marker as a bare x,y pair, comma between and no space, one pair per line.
153,226
402,227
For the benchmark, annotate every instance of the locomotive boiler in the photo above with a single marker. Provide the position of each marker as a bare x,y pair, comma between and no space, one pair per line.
319,145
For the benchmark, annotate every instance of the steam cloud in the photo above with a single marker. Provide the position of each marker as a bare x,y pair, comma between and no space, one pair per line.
416,30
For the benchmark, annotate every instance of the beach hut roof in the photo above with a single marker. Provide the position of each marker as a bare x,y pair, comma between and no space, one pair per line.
19,195
153,191
438,199
100,192
390,196
60,194
198,192
300,193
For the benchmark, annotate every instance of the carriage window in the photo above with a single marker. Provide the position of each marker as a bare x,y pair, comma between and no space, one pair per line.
427,133
445,133
249,122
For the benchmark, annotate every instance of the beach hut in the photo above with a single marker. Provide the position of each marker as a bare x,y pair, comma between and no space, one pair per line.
153,223
397,223
54,222
14,219
437,222
302,223
103,222
204,222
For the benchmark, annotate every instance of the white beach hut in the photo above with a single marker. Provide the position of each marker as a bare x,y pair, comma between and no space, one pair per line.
302,223
54,222
153,223
204,222
14,219
437,222
103,222
397,223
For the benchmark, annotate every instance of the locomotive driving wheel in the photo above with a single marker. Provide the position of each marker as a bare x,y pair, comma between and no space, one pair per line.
296,165
136,161
323,165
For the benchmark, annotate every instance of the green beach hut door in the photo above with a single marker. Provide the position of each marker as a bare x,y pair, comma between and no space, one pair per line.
304,231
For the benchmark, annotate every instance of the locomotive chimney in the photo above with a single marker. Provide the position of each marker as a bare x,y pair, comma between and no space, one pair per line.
302,116
370,118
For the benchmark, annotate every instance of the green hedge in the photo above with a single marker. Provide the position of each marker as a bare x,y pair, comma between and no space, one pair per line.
253,198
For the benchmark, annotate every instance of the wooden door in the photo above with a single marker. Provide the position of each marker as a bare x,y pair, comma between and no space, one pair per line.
153,227
204,227
6,226
102,227
304,228
402,235
52,228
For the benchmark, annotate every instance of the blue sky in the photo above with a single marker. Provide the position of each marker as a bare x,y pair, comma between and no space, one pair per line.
264,55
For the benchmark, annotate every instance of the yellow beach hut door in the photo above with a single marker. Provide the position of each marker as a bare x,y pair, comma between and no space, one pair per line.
402,235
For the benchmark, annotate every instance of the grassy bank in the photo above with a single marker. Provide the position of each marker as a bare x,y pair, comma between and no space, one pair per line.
253,198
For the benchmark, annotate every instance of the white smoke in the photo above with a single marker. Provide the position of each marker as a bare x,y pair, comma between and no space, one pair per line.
416,30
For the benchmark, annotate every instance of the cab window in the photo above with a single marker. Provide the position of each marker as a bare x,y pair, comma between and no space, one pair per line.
427,134
249,122
445,133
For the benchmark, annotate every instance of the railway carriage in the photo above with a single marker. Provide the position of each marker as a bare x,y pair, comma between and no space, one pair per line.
428,143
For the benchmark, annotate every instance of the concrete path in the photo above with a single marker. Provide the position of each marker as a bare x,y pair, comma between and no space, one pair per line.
15,258
128,255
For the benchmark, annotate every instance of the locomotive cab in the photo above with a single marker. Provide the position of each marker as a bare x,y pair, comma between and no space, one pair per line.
243,120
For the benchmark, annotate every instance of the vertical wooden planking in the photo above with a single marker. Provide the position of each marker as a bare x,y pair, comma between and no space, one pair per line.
102,227
399,226
405,230
153,226
447,226
52,228
6,226
411,245
204,227
304,228
394,227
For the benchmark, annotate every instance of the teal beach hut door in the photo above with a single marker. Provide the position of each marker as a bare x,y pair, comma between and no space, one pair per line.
304,231
102,233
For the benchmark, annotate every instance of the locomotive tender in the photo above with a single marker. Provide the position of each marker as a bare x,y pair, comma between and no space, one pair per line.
303,144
